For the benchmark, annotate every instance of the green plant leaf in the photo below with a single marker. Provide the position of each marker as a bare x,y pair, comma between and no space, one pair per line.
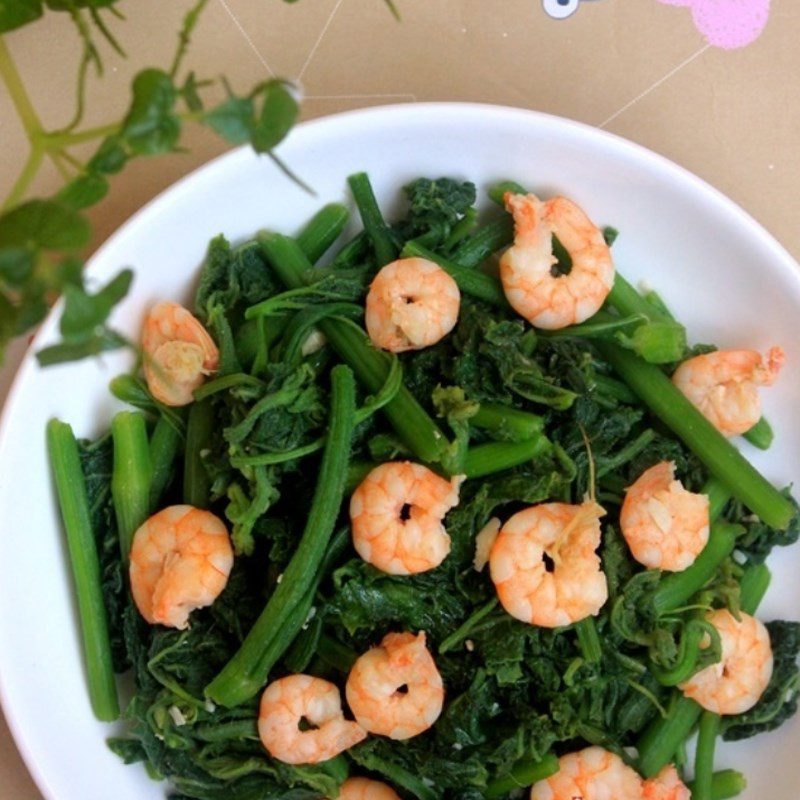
110,157
16,13
190,94
16,265
83,191
46,224
232,119
84,348
84,312
151,125
279,112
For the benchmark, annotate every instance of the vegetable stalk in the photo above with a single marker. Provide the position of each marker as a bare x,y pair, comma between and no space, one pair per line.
199,428
287,609
507,422
412,423
374,224
132,476
523,774
74,505
322,230
725,784
704,758
722,459
486,459
165,443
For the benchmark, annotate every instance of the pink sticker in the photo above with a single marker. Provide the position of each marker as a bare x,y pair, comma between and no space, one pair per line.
727,23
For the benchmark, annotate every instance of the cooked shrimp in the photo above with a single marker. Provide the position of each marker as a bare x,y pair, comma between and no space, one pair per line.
365,789
665,526
667,785
180,560
590,774
397,514
412,303
734,684
400,662
178,353
290,701
724,385
544,565
545,299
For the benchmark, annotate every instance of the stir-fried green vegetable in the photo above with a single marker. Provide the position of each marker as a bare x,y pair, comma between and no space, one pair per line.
277,439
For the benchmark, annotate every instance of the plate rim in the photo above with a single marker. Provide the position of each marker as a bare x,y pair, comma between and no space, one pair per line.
785,261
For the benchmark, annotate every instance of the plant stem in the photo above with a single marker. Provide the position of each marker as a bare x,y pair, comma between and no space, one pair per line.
721,458
131,477
164,446
74,504
589,640
753,587
371,217
25,178
677,587
704,758
524,774
725,784
486,459
19,96
467,626
507,422
199,428
760,435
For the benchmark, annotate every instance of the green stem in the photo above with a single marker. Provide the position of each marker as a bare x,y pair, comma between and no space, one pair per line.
199,429
165,443
131,477
470,281
761,434
753,586
468,626
704,758
487,239
74,504
721,458
322,230
25,178
589,640
507,422
412,423
524,774
718,497
371,217
725,784
227,382
279,622
677,587
19,96
610,387
627,453
663,737
486,459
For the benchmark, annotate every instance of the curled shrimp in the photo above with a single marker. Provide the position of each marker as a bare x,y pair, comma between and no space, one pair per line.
544,565
590,774
667,785
665,526
724,385
735,683
545,299
374,687
180,560
412,303
366,789
288,702
396,515
178,353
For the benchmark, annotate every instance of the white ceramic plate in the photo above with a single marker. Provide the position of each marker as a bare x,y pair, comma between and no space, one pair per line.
729,281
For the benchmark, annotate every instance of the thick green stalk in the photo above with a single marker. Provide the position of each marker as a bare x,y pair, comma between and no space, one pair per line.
227,382
507,422
74,505
412,423
486,459
199,428
487,239
371,217
322,230
132,476
718,497
287,608
761,434
165,443
470,281
677,587
589,640
721,458
753,586
704,758
524,774
725,784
